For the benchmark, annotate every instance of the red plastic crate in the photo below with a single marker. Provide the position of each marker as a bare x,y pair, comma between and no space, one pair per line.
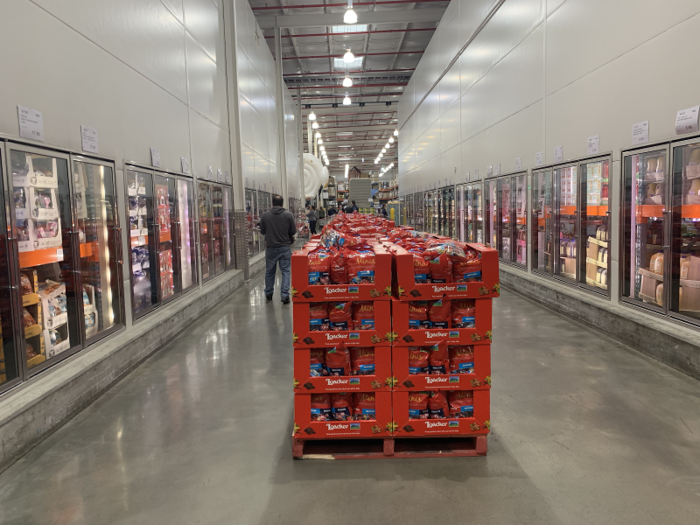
303,337
381,380
478,425
302,291
479,380
404,336
405,287
307,429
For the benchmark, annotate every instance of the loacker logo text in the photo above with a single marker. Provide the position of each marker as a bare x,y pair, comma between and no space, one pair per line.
331,337
430,335
430,424
336,290
437,289
430,380
331,382
330,426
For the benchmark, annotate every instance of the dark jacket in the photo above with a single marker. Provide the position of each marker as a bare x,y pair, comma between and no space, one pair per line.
384,212
278,226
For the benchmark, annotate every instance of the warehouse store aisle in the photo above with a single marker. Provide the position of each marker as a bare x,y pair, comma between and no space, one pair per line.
584,431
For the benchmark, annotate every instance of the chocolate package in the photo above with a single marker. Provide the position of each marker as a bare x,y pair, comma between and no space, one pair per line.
363,316
418,405
318,317
338,361
461,403
364,406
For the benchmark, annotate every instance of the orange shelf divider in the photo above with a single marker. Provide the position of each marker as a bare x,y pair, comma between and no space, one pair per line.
39,257
568,210
596,211
691,211
135,241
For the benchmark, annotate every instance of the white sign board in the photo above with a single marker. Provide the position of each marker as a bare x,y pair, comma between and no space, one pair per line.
539,158
210,173
155,158
687,120
489,171
559,154
31,123
88,139
593,144
518,164
476,174
219,175
185,165
497,169
640,133
466,177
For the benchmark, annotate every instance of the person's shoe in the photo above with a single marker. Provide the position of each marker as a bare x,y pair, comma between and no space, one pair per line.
268,297
285,300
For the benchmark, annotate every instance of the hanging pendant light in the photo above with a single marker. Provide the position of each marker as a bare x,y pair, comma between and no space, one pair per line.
396,133
312,116
391,140
314,125
347,82
350,16
348,57
346,100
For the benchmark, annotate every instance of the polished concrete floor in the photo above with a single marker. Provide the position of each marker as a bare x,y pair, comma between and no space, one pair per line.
585,431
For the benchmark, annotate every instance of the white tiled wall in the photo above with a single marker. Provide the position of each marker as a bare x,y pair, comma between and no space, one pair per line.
529,82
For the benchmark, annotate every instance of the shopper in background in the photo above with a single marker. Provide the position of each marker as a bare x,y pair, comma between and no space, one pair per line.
382,211
312,219
278,226
332,211
353,207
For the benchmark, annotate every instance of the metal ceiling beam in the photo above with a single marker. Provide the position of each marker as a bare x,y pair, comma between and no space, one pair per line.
366,73
431,15
366,142
350,33
351,95
341,111
373,127
355,4
354,86
356,56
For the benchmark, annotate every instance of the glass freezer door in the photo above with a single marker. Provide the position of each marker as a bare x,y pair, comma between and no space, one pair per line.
144,265
451,212
168,267
519,190
644,227
595,224
9,344
491,226
542,221
685,243
100,246
217,208
205,230
41,211
505,219
567,221
461,213
229,239
187,233
476,218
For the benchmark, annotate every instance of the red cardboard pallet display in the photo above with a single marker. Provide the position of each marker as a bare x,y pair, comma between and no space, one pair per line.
380,381
404,427
303,337
404,336
479,380
405,287
304,428
302,291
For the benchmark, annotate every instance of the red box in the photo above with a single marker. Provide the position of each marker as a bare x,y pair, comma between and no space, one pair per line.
478,425
302,291
479,380
405,288
404,336
307,429
381,380
303,337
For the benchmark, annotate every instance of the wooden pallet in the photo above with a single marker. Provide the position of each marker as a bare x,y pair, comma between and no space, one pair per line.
433,447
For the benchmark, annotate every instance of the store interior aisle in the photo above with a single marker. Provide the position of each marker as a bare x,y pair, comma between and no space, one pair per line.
584,431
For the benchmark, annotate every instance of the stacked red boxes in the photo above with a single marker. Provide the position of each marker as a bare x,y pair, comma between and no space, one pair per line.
441,356
342,346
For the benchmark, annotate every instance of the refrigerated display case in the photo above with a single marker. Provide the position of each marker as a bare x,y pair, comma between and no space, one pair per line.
186,233
100,247
168,270
229,229
505,220
41,212
143,260
448,212
566,224
519,240
252,221
462,213
475,231
419,206
595,224
217,235
491,210
685,240
431,222
10,344
542,221
205,230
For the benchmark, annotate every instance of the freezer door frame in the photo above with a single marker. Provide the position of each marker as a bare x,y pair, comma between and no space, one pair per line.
556,205
533,255
174,238
119,246
632,301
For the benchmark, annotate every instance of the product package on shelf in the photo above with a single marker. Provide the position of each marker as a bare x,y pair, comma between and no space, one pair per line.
355,323
342,415
441,413
443,269
689,291
29,286
458,322
441,366
89,309
55,316
342,368
32,323
349,270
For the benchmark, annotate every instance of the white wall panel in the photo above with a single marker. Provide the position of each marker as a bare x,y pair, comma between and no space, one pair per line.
574,50
450,165
210,145
207,84
203,22
449,127
471,14
176,9
142,33
448,36
449,88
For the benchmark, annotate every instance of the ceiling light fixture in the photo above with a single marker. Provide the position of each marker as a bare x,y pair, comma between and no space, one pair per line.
346,100
320,141
376,161
396,133
347,82
318,135
314,125
312,116
391,140
383,150
387,145
350,16
348,57
347,169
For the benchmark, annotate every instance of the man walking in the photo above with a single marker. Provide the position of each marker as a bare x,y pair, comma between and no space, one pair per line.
278,226
312,219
